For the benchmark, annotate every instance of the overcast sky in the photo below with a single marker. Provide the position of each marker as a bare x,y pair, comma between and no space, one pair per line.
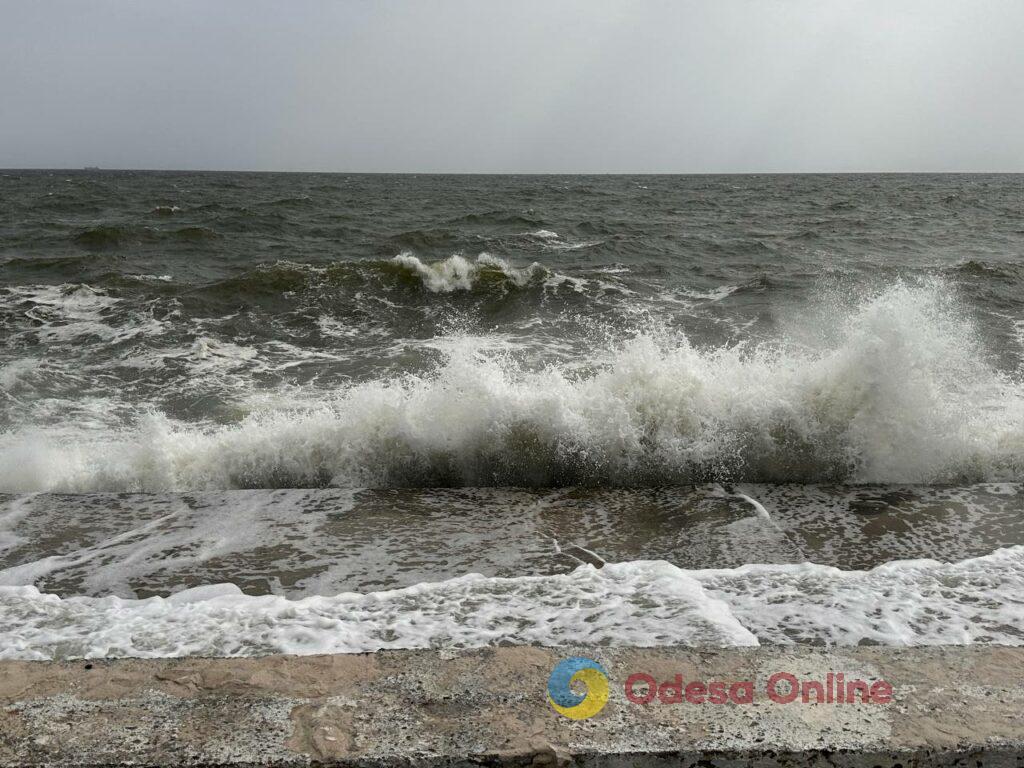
524,86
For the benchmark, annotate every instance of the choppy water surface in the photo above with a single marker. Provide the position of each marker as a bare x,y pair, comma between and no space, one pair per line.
170,331
566,355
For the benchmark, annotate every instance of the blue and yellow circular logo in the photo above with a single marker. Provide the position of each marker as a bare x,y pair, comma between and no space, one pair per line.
583,670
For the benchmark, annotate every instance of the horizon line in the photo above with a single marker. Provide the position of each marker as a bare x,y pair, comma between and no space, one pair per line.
95,169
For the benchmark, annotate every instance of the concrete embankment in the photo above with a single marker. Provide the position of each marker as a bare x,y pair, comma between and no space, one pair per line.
949,706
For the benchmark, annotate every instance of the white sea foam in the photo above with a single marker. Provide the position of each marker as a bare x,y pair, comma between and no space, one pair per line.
71,302
588,604
910,602
555,242
902,393
642,603
14,373
63,314
715,294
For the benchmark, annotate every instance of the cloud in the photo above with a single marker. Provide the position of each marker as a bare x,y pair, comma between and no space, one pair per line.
573,86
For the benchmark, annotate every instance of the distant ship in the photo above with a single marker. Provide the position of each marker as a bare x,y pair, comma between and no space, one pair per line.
91,168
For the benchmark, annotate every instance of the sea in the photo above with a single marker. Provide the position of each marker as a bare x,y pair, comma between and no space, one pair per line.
250,413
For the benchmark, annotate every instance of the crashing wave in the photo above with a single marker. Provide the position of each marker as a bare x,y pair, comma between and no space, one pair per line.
904,393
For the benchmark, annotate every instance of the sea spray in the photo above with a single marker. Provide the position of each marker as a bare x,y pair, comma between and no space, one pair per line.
906,394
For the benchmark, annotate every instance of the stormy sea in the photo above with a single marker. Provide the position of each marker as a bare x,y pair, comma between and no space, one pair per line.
248,413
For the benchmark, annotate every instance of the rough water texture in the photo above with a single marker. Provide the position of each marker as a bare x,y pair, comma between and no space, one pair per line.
166,331
567,355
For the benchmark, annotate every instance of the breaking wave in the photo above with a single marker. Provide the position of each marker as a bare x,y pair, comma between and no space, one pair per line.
459,273
899,390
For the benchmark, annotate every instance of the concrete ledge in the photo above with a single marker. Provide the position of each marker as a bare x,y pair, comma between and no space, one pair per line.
951,706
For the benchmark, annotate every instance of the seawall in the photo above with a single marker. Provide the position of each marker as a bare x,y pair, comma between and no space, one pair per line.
951,706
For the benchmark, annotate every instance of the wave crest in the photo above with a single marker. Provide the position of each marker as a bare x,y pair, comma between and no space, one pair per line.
903,394
459,273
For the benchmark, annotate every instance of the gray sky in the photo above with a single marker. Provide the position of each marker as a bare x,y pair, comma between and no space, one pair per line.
489,86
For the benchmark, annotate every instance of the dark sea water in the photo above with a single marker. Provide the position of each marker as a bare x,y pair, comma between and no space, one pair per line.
176,331
318,412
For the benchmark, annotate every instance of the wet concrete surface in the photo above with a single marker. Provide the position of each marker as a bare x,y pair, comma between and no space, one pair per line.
949,706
